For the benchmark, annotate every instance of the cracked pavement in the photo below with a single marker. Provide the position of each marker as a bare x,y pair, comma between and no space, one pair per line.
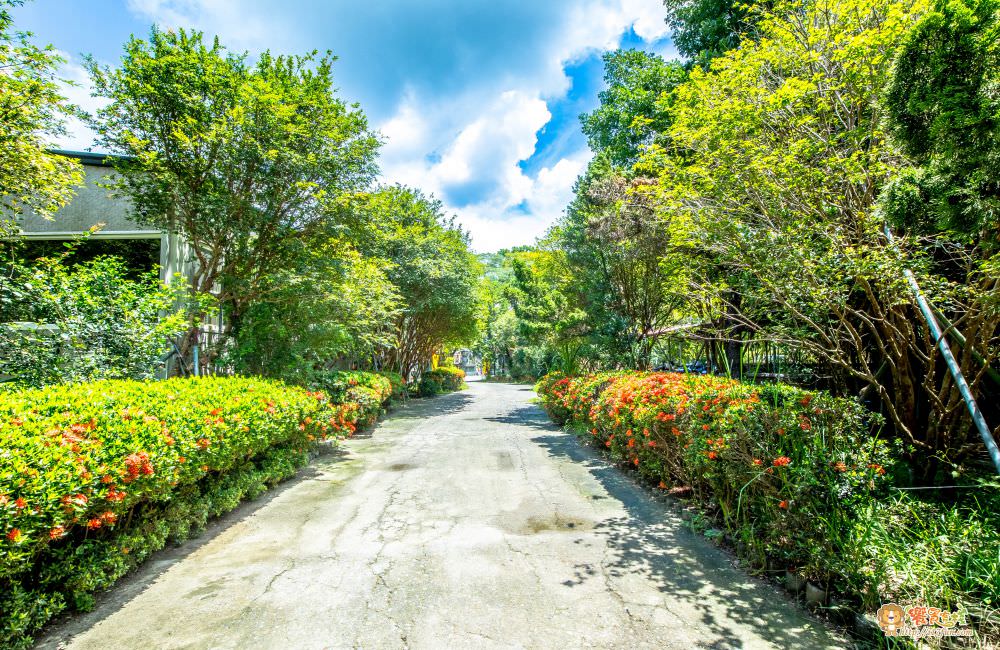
463,521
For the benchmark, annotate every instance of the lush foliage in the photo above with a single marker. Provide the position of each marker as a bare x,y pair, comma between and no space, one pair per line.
366,393
631,113
703,29
531,323
750,236
96,476
64,323
444,379
427,259
336,304
769,458
246,162
944,110
795,480
31,106
267,176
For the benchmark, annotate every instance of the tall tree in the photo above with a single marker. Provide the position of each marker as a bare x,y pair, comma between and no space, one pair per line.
31,107
705,29
334,308
243,161
778,157
944,109
622,256
427,259
631,112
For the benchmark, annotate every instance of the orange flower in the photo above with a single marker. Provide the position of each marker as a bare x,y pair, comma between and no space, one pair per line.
94,524
758,462
109,518
56,532
115,495
840,466
783,505
14,535
878,468
635,461
712,455
662,485
781,461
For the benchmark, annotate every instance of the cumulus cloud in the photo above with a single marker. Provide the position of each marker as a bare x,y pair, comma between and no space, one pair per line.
460,89
470,151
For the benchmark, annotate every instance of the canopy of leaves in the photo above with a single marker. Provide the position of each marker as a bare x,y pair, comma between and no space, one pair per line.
705,29
944,109
31,107
427,259
630,113
242,160
335,306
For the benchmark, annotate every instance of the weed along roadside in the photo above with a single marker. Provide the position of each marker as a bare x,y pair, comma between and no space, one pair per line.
101,475
792,481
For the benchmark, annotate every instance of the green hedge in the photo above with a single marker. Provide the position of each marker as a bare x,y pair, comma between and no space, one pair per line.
444,379
94,477
784,469
399,389
797,481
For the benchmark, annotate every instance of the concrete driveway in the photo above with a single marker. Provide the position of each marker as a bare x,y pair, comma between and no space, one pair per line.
466,521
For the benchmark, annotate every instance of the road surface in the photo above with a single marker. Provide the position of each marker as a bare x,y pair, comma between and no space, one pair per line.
465,521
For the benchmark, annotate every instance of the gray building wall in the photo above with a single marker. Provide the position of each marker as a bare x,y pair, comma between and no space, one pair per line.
94,205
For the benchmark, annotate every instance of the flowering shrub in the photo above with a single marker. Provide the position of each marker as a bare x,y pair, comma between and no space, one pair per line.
443,379
364,395
95,476
398,384
782,467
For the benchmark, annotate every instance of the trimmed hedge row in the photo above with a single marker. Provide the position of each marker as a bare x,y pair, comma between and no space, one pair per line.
94,477
443,379
369,393
785,470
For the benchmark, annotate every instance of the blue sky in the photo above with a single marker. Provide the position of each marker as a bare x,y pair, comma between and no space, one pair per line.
478,100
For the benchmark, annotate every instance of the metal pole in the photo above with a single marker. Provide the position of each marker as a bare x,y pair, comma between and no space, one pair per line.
949,359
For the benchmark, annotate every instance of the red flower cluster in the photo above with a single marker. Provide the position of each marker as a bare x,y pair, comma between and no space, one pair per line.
137,464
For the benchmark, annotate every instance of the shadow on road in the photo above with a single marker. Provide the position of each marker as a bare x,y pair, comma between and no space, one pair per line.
133,585
431,407
651,541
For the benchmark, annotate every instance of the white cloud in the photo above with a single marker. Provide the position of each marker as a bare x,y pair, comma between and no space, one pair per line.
242,25
483,135
459,133
75,87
